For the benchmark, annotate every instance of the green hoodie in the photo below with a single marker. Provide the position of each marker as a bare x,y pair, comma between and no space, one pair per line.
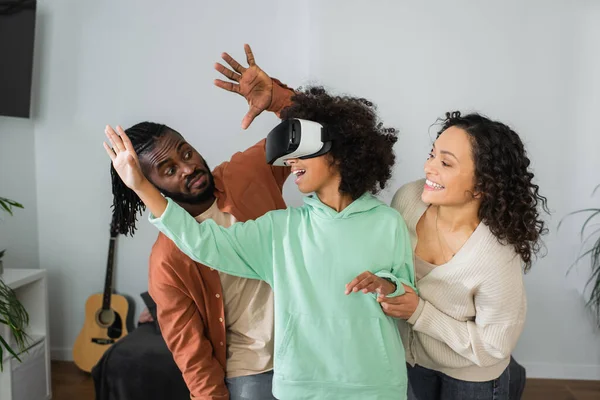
328,345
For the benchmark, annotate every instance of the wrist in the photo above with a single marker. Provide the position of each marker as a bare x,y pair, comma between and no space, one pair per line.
388,287
144,187
281,97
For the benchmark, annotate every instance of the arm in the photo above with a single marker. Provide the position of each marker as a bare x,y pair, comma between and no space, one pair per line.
254,159
500,315
244,249
402,273
183,329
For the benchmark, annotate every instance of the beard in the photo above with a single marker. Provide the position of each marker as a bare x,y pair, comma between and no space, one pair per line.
206,194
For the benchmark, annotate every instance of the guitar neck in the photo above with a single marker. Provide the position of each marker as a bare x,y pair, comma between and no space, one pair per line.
109,275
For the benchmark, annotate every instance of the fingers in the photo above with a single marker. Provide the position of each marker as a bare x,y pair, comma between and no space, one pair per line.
227,72
395,307
126,141
230,87
360,282
115,140
408,289
249,55
232,63
109,151
252,113
398,300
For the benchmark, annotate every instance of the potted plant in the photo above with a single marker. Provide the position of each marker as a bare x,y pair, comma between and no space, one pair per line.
12,312
590,247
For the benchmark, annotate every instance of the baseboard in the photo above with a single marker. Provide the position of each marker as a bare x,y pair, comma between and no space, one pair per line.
562,371
61,353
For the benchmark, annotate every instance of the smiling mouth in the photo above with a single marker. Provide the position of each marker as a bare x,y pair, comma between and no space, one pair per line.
299,173
433,185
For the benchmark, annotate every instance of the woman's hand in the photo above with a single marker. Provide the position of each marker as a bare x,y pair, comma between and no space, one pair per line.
252,83
402,306
370,283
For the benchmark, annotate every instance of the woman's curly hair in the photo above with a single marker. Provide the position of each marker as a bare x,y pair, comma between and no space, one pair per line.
510,200
363,147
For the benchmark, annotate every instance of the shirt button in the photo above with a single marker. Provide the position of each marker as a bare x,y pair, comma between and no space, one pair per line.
218,295
221,343
220,319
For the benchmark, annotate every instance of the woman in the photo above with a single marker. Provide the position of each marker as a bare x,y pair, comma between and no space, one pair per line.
474,224
329,342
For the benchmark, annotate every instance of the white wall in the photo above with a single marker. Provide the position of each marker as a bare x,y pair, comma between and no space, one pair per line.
116,62
19,233
533,65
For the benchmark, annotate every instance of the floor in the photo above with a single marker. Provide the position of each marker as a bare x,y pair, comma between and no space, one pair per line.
69,383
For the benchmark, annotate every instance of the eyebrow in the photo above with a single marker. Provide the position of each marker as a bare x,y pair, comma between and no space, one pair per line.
447,152
166,160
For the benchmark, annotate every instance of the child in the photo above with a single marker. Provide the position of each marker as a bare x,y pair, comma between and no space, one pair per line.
329,342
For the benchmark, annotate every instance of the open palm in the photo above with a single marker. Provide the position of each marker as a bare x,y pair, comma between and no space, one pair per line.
124,158
252,83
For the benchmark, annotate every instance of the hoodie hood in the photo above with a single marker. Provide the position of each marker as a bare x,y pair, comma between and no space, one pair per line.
364,203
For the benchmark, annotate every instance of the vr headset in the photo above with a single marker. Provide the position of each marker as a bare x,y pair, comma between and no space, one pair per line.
296,138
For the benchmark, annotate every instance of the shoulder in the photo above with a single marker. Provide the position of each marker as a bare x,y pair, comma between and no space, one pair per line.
493,253
165,252
408,197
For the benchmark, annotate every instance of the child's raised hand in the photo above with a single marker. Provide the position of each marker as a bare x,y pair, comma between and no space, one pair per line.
367,282
124,158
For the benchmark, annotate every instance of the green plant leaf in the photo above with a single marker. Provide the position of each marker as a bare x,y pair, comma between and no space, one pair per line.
6,207
574,213
10,350
13,315
587,221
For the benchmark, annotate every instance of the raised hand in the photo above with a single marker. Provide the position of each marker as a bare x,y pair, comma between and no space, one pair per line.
252,83
124,158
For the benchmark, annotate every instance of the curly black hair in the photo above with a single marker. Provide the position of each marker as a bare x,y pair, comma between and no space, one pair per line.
510,200
363,147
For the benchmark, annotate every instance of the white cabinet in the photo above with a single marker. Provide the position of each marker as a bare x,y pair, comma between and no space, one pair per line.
29,380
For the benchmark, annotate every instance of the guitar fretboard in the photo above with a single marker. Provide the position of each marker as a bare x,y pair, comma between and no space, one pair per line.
109,275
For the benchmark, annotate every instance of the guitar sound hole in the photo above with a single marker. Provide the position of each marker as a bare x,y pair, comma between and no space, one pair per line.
112,321
106,318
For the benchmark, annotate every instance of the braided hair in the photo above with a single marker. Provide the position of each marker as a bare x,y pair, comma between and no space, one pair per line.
126,204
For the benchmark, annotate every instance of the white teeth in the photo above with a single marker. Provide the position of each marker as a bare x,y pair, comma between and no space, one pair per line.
433,184
298,171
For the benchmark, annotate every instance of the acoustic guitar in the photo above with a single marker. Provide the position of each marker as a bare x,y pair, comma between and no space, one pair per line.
105,319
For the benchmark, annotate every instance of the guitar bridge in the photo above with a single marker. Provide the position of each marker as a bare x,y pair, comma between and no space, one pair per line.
102,341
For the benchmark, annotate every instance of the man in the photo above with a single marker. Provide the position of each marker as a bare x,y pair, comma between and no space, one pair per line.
218,327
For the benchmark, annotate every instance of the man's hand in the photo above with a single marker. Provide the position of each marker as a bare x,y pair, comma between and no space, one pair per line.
370,283
403,306
252,83
145,316
124,158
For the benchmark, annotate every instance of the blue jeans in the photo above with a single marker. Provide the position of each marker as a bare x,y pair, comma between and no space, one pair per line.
251,387
427,384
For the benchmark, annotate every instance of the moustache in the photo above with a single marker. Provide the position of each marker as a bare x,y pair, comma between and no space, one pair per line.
194,176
